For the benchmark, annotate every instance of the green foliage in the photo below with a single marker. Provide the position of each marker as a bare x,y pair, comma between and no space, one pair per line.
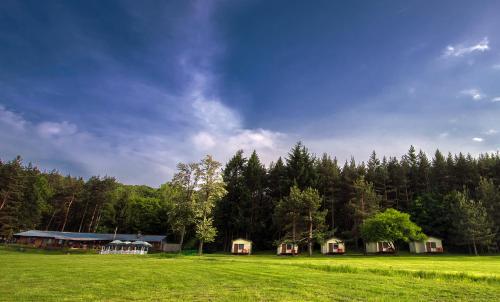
391,225
471,222
210,191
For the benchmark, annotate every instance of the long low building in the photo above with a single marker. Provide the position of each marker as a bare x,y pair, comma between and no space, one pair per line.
53,239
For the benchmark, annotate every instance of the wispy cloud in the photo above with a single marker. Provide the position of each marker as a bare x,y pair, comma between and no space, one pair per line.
496,99
491,132
474,93
11,119
461,50
478,139
203,122
496,66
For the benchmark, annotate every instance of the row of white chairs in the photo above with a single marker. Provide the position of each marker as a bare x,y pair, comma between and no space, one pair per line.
105,250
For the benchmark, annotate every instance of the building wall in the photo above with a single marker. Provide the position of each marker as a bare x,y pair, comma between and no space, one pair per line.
324,246
247,245
371,247
280,251
420,247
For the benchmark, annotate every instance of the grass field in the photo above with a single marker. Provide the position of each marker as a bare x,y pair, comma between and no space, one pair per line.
86,277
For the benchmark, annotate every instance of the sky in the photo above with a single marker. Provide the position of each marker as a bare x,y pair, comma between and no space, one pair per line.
131,88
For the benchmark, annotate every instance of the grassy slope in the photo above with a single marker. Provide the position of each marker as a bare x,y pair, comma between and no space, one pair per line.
27,276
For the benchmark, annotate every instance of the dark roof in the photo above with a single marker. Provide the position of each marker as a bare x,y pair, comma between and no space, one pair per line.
90,236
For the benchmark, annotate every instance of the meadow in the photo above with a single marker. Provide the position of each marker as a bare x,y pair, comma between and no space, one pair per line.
41,276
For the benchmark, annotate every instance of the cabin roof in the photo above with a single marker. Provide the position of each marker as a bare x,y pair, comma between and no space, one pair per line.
90,236
334,238
242,239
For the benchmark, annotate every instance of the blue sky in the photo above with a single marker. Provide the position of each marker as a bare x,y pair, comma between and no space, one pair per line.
130,88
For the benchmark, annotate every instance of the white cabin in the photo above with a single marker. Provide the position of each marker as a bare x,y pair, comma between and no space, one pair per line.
287,249
430,245
380,247
241,246
333,246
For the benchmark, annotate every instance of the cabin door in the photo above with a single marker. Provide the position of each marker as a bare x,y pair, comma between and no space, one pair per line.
330,248
427,246
283,248
235,248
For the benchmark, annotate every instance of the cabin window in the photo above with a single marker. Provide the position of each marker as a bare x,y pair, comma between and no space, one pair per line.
241,246
385,245
288,246
335,246
433,245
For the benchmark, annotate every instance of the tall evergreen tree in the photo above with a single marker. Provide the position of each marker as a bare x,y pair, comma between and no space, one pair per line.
300,167
364,204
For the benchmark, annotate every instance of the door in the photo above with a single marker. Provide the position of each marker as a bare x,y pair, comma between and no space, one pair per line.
428,247
283,249
235,248
330,248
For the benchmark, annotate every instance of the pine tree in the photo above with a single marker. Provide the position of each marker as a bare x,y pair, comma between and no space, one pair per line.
328,185
364,204
229,214
11,197
255,180
300,167
489,196
471,221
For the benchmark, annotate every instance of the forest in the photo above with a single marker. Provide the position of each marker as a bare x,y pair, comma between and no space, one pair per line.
302,198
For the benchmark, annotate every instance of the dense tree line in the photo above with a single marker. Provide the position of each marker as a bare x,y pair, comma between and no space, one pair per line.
301,198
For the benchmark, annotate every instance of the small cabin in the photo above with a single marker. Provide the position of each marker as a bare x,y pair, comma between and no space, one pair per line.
287,249
241,247
333,246
382,247
430,245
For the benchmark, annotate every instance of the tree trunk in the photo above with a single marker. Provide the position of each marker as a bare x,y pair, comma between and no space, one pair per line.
50,220
98,220
4,201
333,214
293,234
183,231
92,219
83,217
474,245
200,248
67,212
310,243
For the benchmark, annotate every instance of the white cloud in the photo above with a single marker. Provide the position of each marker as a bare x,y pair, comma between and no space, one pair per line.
496,66
204,140
11,119
444,135
475,94
495,99
491,132
53,129
461,50
203,124
477,139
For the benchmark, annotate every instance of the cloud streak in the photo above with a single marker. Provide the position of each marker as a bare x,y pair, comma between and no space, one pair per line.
475,94
461,50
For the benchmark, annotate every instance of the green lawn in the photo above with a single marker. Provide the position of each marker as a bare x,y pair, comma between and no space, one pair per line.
87,277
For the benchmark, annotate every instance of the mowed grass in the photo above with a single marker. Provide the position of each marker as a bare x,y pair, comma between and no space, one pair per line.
87,277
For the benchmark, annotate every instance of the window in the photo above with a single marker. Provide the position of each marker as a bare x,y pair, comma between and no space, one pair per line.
289,246
335,246
433,245
241,246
